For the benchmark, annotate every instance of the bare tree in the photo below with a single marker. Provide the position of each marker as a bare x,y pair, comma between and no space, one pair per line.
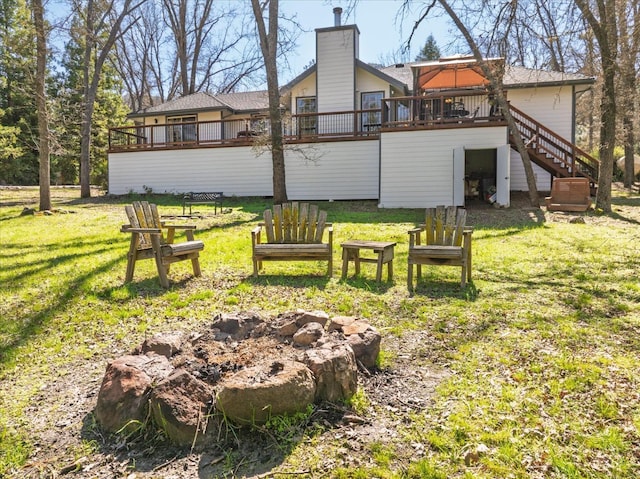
207,43
41,104
268,36
601,17
103,23
134,58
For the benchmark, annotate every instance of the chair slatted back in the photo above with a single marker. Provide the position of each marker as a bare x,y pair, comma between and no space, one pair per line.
444,225
294,223
142,214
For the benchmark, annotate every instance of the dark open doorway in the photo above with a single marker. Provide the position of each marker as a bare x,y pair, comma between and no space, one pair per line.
480,174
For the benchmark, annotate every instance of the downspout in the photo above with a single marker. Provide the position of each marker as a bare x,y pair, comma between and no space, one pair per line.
573,114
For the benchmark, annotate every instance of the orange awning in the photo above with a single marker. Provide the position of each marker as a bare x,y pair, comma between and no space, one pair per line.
441,75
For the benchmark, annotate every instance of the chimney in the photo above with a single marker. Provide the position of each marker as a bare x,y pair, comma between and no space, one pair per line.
337,13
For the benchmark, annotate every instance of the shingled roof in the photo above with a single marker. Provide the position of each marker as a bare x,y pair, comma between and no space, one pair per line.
244,102
514,76
521,77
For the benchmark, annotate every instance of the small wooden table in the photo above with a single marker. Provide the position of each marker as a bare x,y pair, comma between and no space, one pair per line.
383,250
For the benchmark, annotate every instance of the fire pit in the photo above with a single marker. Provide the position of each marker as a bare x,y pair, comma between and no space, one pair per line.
242,369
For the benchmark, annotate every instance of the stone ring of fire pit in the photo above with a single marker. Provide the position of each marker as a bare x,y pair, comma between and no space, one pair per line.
244,368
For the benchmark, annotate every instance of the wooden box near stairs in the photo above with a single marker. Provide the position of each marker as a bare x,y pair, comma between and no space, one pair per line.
569,194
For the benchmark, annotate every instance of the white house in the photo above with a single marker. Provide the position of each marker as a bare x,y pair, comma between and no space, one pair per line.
411,135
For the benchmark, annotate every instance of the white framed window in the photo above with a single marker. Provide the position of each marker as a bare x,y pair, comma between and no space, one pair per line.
181,129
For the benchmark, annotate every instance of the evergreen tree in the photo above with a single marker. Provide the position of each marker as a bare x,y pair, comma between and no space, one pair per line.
430,51
19,121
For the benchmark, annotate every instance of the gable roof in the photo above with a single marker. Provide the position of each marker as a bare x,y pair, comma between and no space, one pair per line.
401,72
380,73
235,102
185,104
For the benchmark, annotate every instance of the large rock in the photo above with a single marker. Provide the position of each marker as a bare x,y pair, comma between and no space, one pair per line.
166,344
313,317
122,400
255,394
339,322
237,325
308,334
335,370
366,346
636,164
180,405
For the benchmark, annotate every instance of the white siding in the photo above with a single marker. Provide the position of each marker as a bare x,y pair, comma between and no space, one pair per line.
234,171
551,106
335,170
336,70
519,179
343,170
366,82
417,166
305,88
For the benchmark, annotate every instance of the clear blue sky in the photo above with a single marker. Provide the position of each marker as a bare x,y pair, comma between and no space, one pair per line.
382,32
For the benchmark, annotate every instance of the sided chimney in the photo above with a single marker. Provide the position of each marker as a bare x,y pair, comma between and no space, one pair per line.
337,16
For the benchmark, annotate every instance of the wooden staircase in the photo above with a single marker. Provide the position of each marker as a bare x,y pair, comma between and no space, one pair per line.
554,154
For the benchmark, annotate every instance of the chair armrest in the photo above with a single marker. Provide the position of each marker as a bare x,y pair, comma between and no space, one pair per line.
255,235
330,230
414,236
179,227
467,230
151,231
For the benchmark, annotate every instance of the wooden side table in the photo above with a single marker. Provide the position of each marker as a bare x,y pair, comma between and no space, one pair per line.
383,251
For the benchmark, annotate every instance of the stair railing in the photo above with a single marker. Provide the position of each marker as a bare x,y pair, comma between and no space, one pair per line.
562,152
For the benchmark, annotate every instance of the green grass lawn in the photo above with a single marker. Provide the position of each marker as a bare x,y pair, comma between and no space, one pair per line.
542,350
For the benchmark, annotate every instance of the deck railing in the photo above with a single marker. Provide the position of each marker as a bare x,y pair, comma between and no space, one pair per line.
421,112
439,109
302,127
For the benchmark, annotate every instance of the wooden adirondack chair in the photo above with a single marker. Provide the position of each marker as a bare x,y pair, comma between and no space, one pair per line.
148,241
447,241
294,232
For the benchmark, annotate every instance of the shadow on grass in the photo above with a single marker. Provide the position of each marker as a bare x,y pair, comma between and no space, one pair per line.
32,323
289,280
439,289
371,285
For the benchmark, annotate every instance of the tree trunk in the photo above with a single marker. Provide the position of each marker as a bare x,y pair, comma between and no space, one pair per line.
269,45
605,31
629,56
41,105
607,138
87,111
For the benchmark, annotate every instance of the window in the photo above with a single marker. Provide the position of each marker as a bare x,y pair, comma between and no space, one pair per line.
307,125
372,120
181,129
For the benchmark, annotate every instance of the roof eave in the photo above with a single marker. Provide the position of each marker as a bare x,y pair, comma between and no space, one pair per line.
305,74
576,81
383,76
188,111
